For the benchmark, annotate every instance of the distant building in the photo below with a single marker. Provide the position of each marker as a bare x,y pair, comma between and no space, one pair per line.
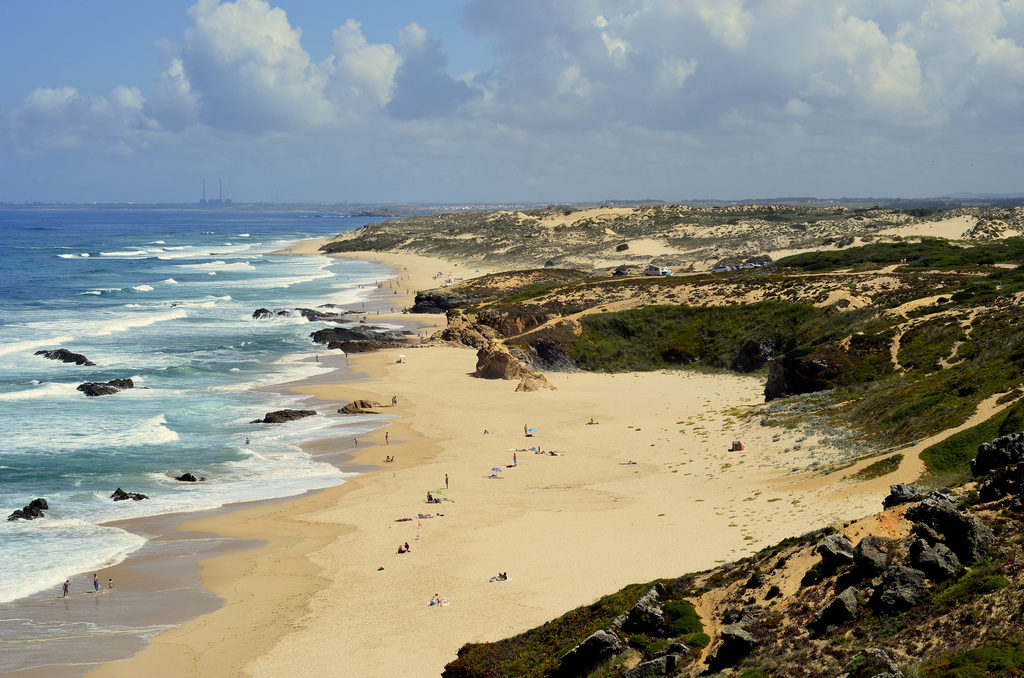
219,201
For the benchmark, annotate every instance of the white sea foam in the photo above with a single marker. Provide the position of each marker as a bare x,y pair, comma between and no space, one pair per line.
143,288
170,281
85,254
243,235
126,253
57,549
221,265
67,256
43,390
92,292
32,344
105,326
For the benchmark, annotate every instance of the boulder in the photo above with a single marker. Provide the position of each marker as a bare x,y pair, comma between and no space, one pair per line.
966,535
580,660
796,375
744,616
93,388
937,561
359,407
998,453
666,665
835,550
871,555
189,478
261,313
66,356
900,589
753,354
533,382
121,495
838,611
646,615
737,644
462,330
494,361
281,416
30,511
902,494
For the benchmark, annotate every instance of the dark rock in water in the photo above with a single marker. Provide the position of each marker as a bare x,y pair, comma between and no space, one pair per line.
66,356
312,315
937,561
189,478
646,616
32,510
121,495
835,550
871,555
261,313
93,388
580,660
666,665
900,589
998,453
966,535
281,416
737,644
839,610
360,407
902,494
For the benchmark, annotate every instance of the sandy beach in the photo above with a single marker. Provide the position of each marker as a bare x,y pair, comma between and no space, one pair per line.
650,490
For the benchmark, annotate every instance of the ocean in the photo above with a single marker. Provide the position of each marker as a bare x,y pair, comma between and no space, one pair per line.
164,297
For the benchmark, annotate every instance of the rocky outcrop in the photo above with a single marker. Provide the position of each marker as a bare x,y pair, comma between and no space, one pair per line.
189,478
902,493
580,660
439,300
66,356
665,665
871,555
462,330
737,644
121,495
998,453
796,375
360,339
646,615
935,560
900,589
281,416
835,551
322,316
494,361
30,511
965,535
877,664
263,313
753,354
838,611
533,382
360,407
93,389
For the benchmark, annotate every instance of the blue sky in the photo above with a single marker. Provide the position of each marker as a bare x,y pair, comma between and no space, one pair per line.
493,101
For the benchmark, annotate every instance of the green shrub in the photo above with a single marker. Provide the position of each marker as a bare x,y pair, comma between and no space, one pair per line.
984,578
682,617
1003,657
699,639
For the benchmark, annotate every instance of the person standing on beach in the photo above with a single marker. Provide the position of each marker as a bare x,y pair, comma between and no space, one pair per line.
446,481
110,584
67,587
387,439
95,583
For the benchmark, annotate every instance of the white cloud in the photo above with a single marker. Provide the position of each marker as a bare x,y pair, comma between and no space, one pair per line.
361,72
248,69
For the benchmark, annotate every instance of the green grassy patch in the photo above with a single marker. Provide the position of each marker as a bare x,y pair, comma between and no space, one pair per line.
1003,657
878,469
982,579
950,459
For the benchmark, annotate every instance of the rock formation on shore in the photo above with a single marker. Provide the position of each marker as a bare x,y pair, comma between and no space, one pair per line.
281,416
121,495
362,338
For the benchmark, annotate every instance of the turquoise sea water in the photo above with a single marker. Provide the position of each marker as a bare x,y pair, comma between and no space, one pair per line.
164,297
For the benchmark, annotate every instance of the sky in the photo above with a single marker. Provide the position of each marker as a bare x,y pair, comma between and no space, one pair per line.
495,101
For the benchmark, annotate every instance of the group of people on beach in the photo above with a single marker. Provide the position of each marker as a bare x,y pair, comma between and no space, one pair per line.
66,588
